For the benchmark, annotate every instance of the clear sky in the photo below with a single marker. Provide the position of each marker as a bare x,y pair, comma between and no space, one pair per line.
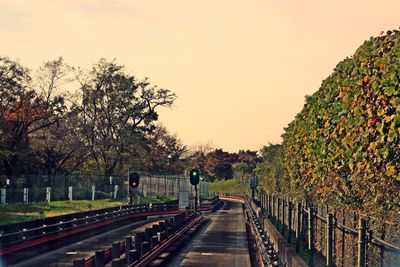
240,69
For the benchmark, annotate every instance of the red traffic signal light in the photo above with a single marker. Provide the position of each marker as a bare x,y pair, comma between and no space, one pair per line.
134,180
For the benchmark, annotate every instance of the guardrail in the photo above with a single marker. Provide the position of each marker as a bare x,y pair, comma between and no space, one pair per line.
342,238
16,227
267,253
14,241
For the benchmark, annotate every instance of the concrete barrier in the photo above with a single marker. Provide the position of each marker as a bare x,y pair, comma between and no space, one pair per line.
78,263
115,251
139,238
99,260
132,256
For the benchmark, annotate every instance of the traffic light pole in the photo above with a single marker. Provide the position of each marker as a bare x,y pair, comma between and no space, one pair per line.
129,189
195,199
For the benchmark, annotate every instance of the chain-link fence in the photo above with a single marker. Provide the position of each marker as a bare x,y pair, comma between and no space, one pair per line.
91,187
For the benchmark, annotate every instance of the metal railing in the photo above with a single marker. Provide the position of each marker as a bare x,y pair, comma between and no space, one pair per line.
266,250
44,228
330,237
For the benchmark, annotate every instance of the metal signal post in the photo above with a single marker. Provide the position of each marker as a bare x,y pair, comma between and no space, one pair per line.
133,182
195,199
194,180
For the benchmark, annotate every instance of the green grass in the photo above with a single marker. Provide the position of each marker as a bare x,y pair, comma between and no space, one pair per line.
226,186
14,213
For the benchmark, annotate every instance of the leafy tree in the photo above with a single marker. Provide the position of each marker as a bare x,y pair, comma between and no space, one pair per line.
218,164
114,108
272,173
60,147
165,152
23,112
196,159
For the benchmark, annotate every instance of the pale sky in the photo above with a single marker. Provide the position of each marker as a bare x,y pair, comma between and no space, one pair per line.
240,69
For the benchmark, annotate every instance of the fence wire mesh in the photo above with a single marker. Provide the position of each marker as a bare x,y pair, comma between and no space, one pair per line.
41,188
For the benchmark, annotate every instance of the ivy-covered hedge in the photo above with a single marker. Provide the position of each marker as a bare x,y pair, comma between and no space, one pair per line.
344,146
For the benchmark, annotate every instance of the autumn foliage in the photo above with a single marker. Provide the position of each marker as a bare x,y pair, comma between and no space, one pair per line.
344,146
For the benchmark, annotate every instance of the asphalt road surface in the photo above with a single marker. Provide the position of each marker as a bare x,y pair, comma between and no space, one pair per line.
222,242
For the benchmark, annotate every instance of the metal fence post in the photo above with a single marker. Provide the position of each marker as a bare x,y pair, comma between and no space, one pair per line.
144,191
362,244
158,187
26,194
310,236
48,194
283,216
70,193
115,191
165,186
263,200
150,183
3,196
93,192
289,221
298,227
278,217
273,206
329,240
343,238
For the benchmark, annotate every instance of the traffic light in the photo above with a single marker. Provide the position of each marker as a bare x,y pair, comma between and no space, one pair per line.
194,177
133,180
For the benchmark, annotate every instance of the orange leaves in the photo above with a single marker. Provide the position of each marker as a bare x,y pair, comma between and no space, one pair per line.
25,115
372,121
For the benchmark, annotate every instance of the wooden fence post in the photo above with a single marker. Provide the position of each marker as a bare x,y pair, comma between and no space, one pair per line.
362,244
329,239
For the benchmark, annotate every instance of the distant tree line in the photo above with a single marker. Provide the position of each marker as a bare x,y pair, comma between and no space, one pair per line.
62,120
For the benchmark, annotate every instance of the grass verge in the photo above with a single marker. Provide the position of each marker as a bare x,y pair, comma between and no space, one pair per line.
231,186
14,213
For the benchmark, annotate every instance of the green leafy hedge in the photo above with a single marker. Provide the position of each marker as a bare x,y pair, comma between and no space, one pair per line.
344,146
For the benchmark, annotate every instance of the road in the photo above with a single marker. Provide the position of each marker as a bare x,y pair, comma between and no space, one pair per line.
222,242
